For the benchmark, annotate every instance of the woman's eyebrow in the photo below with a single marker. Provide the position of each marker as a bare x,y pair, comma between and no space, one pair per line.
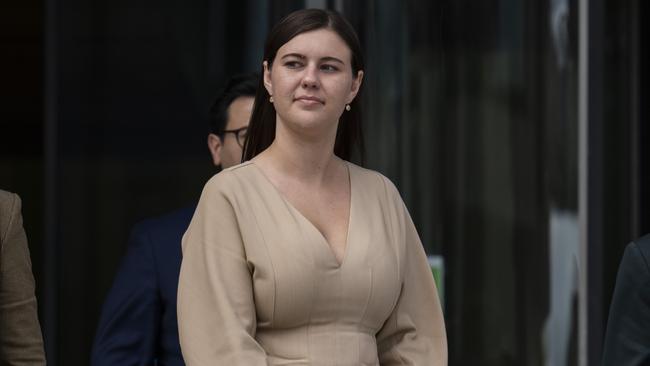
334,59
293,55
323,59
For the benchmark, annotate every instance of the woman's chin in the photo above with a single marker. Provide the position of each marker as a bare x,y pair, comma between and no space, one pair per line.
310,124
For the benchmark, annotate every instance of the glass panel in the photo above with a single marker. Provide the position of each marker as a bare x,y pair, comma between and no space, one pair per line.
471,111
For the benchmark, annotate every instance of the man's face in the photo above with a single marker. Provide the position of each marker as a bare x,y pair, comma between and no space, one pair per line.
239,113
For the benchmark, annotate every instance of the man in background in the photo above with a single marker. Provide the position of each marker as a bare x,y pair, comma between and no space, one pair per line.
138,324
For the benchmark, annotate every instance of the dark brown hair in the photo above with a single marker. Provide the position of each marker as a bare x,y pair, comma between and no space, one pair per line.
261,130
241,85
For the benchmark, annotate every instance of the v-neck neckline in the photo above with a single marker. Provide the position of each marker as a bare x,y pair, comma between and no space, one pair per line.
321,236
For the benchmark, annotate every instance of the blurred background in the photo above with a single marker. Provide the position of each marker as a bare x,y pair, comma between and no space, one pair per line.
516,131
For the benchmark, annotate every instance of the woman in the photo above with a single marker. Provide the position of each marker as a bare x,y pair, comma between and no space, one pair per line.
296,256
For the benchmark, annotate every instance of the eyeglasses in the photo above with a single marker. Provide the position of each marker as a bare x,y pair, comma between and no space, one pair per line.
240,134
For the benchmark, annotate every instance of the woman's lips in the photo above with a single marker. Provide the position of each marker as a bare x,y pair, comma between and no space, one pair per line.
310,100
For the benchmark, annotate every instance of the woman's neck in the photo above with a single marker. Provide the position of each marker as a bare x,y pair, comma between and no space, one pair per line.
310,160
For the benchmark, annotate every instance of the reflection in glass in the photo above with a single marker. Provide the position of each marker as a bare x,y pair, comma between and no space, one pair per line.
471,111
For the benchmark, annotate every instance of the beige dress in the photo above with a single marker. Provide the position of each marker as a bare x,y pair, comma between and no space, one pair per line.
259,285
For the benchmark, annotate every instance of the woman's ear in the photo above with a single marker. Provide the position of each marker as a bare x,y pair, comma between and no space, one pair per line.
267,77
356,84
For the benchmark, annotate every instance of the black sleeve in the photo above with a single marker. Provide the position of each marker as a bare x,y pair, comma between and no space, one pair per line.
627,341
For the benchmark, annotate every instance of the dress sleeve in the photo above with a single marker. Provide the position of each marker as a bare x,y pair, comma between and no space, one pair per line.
21,342
414,333
130,321
216,310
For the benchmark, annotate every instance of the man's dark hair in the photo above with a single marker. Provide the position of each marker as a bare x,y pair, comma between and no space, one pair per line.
241,85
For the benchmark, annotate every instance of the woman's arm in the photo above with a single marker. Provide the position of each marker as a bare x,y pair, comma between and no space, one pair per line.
414,333
216,310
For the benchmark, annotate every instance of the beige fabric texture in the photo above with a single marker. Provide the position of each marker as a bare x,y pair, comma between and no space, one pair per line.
21,342
259,285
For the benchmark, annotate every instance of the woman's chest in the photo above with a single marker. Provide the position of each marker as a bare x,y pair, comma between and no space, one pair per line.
298,280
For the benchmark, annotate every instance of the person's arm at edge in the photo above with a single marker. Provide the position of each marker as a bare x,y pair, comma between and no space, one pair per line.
628,327
21,341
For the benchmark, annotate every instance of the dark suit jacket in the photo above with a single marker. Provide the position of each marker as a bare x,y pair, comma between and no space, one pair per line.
21,342
138,324
627,341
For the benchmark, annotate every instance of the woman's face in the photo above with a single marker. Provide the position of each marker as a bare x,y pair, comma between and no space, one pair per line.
311,81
